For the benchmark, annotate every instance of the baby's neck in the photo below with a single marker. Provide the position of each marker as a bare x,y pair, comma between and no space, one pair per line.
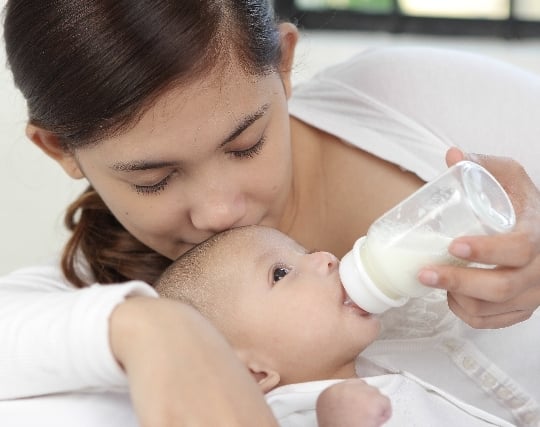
346,371
366,368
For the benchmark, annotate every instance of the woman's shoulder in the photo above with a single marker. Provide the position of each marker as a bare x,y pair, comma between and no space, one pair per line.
413,59
417,72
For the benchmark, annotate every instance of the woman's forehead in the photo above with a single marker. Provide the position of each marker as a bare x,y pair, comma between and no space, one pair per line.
201,108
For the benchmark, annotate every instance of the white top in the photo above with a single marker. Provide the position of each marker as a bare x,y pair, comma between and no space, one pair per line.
409,105
79,409
399,104
55,337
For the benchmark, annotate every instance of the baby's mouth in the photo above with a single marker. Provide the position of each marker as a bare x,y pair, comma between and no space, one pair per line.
347,301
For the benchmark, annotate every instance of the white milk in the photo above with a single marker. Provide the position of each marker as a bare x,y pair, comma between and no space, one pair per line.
394,268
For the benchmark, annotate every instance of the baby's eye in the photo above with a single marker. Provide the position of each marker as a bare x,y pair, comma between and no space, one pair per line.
279,273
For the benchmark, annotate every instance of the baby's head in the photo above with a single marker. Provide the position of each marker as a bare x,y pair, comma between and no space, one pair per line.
280,306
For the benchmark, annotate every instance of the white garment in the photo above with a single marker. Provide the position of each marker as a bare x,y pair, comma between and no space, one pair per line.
496,370
399,104
103,409
414,404
55,338
409,105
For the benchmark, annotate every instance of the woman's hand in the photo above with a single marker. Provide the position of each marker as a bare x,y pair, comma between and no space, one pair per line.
181,371
352,403
510,293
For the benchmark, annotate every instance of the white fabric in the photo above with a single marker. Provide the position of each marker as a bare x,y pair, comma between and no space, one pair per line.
496,370
414,404
54,337
409,105
400,104
104,409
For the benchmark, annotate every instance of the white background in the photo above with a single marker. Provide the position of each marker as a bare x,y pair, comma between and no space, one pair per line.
35,191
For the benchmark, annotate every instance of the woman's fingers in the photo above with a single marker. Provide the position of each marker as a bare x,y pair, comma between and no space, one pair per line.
491,298
493,285
484,315
514,249
514,179
509,293
454,155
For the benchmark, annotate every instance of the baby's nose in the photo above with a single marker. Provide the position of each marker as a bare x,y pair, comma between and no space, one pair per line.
324,262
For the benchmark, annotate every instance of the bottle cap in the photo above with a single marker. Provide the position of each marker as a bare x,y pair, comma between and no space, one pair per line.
359,286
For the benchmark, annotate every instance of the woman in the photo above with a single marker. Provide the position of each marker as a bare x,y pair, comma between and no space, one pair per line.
176,113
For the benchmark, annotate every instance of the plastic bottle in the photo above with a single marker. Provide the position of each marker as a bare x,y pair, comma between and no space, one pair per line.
381,269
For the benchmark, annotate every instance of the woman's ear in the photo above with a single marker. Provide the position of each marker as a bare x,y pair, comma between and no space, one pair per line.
49,143
289,38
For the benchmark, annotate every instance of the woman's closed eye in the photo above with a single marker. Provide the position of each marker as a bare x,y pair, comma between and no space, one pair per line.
279,273
251,151
154,188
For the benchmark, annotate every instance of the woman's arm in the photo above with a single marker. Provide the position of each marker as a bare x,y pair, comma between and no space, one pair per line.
179,370
55,337
494,298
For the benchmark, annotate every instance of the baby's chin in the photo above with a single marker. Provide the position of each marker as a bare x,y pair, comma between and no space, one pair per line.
365,331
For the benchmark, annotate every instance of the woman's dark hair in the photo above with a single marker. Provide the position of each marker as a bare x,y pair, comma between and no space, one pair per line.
88,69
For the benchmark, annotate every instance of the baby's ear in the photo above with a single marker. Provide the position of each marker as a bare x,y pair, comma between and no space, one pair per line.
267,377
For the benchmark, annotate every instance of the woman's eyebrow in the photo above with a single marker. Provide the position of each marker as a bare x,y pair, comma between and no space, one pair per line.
241,126
244,123
140,165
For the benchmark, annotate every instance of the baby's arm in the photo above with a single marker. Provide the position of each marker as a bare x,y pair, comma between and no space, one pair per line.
352,403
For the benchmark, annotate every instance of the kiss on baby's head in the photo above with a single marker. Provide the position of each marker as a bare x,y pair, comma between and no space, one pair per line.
277,304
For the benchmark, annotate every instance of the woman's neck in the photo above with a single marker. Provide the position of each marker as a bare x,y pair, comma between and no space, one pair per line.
338,190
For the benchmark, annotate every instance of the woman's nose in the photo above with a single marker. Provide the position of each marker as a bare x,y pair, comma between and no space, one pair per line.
323,262
217,212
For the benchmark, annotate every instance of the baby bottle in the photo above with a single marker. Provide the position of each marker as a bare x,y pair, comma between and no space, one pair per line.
380,271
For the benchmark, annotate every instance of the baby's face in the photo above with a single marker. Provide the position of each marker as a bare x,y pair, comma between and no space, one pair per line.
291,303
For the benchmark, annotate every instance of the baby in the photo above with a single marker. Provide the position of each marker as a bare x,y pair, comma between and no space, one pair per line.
284,311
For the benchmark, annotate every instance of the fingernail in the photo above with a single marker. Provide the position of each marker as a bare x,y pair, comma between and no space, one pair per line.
461,250
428,277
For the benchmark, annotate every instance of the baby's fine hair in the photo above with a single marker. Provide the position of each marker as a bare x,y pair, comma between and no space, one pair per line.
196,278
89,69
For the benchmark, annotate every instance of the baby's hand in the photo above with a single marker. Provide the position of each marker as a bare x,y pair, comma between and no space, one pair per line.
352,403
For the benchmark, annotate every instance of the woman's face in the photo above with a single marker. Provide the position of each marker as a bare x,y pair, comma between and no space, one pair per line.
206,157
